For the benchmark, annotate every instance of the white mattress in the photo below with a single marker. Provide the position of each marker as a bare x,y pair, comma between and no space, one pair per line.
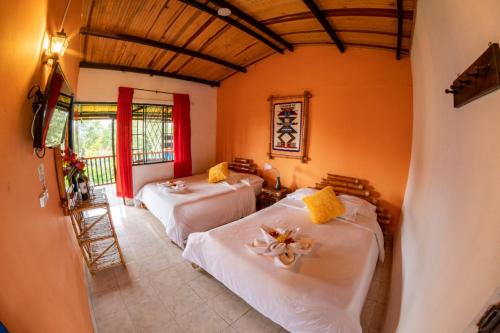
326,290
203,206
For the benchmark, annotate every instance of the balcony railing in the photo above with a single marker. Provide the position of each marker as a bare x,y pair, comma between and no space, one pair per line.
101,170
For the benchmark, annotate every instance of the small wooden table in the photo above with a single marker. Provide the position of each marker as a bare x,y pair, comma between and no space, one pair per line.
269,196
95,232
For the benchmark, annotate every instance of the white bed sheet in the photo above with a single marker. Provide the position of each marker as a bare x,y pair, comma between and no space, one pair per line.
203,206
326,290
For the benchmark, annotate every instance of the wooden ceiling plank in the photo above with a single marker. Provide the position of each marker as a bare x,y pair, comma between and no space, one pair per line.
400,28
87,17
253,22
160,45
247,65
141,70
375,46
364,31
205,44
155,59
262,10
377,12
182,29
191,38
348,37
233,22
324,23
165,5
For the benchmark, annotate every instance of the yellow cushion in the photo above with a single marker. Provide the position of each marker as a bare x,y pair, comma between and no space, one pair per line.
323,205
218,173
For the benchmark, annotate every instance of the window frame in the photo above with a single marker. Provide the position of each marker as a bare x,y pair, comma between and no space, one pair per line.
134,105
167,110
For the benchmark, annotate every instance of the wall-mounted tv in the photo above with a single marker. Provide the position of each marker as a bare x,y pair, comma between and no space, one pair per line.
52,114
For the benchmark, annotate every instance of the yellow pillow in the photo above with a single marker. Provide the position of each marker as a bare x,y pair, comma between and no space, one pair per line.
323,205
218,172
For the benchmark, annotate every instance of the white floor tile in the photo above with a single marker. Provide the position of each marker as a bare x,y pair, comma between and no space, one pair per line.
107,303
103,280
253,322
179,299
207,287
118,322
202,320
137,291
229,306
150,315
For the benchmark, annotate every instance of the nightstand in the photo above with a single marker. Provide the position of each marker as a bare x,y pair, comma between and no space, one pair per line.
269,196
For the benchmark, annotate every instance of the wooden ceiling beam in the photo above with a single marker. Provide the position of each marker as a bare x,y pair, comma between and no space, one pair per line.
234,23
400,28
160,45
253,22
147,71
313,7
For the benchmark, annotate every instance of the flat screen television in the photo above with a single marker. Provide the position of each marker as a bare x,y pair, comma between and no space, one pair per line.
53,112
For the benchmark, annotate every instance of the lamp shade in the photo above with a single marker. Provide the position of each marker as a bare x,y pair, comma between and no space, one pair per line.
267,166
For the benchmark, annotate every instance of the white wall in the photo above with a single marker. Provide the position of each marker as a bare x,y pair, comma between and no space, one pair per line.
450,233
96,85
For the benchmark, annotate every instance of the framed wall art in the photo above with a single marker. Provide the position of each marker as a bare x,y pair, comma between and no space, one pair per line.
288,131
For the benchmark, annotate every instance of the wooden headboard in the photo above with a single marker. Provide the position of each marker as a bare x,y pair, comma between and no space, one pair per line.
358,188
243,165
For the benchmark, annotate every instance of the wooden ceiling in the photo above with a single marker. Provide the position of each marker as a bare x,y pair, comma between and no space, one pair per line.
186,39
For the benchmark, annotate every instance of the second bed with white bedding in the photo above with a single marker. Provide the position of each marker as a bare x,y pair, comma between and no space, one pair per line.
324,292
202,206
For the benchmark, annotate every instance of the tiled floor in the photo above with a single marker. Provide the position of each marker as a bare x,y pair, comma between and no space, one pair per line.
160,292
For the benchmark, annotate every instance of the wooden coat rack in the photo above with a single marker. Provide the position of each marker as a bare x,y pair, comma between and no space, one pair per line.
481,78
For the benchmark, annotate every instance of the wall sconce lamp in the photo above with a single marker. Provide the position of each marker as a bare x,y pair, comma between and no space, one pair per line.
269,167
54,47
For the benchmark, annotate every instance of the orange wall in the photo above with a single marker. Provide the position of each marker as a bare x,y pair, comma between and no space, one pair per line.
42,285
360,115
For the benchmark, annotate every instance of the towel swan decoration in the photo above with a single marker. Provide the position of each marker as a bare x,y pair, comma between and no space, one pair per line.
281,244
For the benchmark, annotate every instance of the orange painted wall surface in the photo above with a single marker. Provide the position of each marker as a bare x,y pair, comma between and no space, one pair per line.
360,116
42,285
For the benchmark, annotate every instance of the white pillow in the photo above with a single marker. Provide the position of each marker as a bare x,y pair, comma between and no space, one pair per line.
233,178
355,206
301,193
248,178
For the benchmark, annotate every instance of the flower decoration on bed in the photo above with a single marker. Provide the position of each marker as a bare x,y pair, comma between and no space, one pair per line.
178,186
284,245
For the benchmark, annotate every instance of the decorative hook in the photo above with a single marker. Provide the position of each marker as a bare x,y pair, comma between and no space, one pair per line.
474,74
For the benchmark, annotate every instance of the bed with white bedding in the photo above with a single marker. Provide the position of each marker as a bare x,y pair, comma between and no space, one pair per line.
326,289
203,205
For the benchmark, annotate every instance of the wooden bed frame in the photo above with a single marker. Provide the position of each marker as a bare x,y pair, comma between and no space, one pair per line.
359,188
243,165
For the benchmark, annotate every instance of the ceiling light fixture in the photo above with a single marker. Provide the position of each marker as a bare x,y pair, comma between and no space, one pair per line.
223,11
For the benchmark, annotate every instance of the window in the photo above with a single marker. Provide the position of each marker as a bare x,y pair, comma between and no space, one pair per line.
152,134
152,131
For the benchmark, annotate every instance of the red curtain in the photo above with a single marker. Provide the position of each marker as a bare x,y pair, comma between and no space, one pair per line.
182,136
55,90
124,187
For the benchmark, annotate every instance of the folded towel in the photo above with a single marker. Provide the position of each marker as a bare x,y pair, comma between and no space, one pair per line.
281,244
